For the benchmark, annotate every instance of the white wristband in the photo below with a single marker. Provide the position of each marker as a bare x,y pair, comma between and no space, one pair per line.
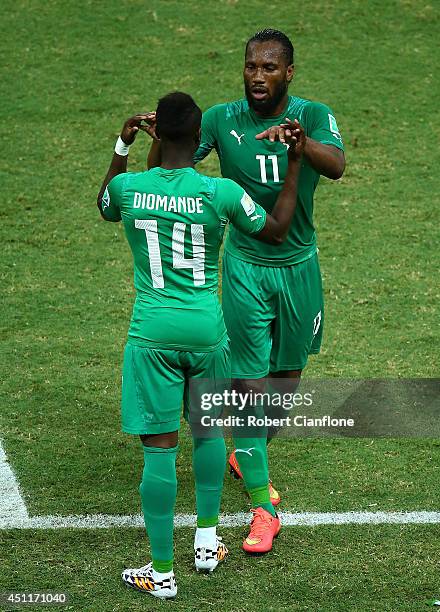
121,148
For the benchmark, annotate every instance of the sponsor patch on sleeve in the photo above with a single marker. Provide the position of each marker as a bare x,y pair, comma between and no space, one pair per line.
334,127
248,204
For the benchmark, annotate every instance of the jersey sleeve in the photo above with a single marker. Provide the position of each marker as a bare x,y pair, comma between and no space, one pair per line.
112,199
239,208
322,125
209,130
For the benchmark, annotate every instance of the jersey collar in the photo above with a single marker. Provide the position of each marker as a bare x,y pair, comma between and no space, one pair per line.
174,170
273,120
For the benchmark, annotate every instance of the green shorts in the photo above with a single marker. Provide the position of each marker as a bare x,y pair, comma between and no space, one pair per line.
274,316
156,381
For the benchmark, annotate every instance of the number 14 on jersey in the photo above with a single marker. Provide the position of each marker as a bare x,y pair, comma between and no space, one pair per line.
196,263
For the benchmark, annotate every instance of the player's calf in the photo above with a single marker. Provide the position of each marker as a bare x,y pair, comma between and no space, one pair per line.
234,470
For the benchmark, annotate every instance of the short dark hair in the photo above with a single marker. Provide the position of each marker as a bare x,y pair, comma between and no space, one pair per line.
177,116
268,34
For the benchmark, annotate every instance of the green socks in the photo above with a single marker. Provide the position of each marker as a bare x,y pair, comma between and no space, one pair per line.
260,498
209,461
158,491
251,454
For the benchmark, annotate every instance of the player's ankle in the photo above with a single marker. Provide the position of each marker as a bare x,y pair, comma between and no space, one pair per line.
205,537
163,568
268,507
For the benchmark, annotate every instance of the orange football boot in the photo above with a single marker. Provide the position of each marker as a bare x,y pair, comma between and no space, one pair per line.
264,528
275,498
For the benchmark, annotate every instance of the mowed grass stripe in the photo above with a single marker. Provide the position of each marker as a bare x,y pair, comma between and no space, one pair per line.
288,519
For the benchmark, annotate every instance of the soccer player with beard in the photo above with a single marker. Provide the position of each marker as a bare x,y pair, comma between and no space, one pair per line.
272,297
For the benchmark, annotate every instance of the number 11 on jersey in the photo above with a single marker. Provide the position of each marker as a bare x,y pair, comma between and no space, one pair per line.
263,173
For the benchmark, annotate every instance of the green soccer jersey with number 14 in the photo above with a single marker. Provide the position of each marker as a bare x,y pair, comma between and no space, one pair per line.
260,166
174,221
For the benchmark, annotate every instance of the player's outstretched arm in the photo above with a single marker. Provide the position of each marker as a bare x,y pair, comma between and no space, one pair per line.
278,222
118,164
325,159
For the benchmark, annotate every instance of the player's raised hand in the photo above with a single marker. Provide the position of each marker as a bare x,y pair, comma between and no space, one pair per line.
295,137
133,125
289,133
274,134
150,125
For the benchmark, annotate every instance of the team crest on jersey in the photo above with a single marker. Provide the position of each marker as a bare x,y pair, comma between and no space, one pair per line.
248,204
105,199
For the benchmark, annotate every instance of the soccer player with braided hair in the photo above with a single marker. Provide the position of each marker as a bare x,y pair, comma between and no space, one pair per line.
272,297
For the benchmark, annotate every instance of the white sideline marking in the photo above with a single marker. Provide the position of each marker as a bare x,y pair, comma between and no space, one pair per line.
14,514
105,521
12,506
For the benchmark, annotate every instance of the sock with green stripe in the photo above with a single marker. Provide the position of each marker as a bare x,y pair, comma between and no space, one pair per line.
260,498
251,455
209,462
158,491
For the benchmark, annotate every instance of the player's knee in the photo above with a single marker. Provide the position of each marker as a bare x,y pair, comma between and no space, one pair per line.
249,385
163,440
284,382
287,374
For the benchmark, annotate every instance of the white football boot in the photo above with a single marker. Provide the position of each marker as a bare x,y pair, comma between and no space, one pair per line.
147,580
207,556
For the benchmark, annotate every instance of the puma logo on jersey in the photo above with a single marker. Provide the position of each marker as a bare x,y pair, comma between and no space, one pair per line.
235,135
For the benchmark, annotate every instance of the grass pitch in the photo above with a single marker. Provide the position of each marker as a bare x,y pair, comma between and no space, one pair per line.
374,569
74,72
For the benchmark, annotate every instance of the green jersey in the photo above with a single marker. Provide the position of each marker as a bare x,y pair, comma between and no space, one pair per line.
260,166
174,221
